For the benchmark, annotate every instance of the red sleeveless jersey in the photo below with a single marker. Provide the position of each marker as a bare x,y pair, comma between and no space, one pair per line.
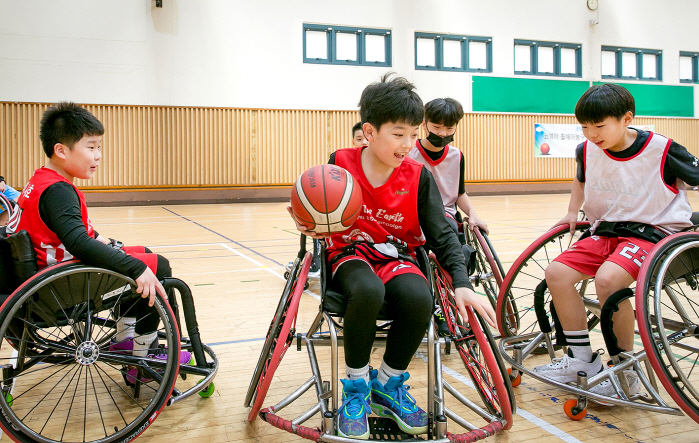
49,249
390,209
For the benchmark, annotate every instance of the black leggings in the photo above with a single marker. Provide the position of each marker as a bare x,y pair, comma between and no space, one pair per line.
147,318
410,306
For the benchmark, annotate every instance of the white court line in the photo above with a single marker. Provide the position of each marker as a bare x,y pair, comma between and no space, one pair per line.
543,424
252,260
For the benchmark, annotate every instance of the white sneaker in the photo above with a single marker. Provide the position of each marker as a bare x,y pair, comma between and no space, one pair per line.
314,274
607,389
566,368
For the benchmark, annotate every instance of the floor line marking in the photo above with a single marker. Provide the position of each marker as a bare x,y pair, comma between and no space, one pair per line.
222,236
276,274
543,424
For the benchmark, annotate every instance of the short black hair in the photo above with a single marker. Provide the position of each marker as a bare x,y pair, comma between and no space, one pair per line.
444,111
66,123
602,101
356,127
391,100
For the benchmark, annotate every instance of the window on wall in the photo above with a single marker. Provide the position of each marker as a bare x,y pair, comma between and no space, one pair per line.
548,58
689,67
631,63
341,45
449,52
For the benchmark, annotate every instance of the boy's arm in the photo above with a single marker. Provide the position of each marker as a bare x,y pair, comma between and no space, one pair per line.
577,198
679,163
59,208
464,203
447,248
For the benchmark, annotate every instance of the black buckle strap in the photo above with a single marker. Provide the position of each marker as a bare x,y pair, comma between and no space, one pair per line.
393,249
628,229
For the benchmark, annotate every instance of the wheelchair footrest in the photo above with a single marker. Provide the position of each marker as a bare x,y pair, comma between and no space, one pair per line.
381,428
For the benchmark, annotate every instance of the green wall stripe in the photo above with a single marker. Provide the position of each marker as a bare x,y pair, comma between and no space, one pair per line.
661,100
542,96
505,94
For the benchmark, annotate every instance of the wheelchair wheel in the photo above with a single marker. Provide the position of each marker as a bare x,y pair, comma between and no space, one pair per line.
6,205
279,337
515,308
64,382
667,311
475,344
489,272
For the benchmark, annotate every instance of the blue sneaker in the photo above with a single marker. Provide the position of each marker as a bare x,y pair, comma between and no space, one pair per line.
393,401
352,417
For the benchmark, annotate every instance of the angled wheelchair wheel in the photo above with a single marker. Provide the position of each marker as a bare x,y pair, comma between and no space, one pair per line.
667,311
489,272
6,205
279,337
515,310
62,380
475,344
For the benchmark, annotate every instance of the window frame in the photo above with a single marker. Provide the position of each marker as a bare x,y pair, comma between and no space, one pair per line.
439,39
557,46
618,55
360,32
695,66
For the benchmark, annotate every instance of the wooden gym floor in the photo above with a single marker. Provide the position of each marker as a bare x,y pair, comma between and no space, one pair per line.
233,257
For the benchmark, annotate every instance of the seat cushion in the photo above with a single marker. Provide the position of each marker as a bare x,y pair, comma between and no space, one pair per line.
336,304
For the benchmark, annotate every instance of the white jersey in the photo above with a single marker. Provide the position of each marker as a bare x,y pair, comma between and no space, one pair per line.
632,189
445,171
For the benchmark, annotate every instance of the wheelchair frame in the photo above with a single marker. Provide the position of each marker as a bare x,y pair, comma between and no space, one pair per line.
520,339
64,317
281,336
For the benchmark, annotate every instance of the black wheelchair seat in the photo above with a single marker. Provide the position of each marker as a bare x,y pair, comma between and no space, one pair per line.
336,304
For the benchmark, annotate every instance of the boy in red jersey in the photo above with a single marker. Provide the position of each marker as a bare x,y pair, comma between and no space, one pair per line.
358,139
53,211
371,261
631,185
444,161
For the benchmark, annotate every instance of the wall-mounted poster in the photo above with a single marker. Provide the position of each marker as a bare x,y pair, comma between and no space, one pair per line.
560,140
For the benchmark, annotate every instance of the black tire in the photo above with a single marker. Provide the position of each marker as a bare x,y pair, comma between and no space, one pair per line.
64,314
477,348
276,344
667,309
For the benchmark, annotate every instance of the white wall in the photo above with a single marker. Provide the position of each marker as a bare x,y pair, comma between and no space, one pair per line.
242,53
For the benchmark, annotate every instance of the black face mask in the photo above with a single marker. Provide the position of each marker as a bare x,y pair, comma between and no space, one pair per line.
437,141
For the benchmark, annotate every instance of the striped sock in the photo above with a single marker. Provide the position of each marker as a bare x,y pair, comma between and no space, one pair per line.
579,344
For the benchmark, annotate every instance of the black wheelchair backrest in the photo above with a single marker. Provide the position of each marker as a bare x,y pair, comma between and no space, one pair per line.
17,260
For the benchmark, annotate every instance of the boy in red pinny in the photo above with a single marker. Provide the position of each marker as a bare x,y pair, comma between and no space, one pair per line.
402,207
53,211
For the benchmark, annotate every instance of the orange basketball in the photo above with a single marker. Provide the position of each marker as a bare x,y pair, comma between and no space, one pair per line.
326,199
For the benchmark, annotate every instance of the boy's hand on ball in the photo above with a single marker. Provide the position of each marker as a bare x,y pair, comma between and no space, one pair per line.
303,229
466,297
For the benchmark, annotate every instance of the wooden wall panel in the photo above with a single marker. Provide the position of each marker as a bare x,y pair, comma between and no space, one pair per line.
150,147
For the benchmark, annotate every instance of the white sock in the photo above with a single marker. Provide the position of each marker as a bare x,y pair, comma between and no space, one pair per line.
357,374
142,344
579,344
126,328
386,372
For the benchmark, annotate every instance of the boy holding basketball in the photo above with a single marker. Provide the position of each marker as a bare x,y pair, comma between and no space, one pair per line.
631,185
373,261
444,161
53,211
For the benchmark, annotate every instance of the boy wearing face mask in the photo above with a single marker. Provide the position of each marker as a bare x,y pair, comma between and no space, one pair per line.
446,162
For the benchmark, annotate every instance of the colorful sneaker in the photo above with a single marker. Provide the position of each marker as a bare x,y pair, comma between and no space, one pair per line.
607,389
126,347
352,417
394,402
566,368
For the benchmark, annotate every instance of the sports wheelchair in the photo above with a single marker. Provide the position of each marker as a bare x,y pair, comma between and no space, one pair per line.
61,379
667,318
6,205
494,402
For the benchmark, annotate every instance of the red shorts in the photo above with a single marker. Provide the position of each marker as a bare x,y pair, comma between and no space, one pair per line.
588,254
385,270
139,252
